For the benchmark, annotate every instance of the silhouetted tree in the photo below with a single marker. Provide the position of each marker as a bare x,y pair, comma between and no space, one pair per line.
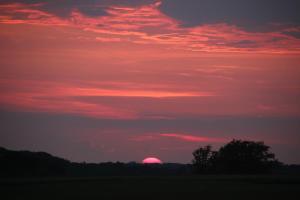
235,157
245,157
204,159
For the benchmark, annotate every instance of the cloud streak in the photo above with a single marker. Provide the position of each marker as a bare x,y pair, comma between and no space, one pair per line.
192,138
62,97
177,136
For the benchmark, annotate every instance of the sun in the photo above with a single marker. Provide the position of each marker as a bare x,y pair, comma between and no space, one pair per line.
152,160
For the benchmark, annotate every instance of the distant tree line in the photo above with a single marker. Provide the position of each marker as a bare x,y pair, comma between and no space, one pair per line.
236,157
40,164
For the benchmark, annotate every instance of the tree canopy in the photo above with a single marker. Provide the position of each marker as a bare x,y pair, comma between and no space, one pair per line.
235,157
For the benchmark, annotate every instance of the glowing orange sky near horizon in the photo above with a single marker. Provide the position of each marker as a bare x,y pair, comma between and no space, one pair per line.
137,63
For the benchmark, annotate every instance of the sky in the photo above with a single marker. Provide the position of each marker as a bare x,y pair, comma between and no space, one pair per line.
121,80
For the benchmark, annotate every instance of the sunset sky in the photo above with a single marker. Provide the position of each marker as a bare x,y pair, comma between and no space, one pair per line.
121,80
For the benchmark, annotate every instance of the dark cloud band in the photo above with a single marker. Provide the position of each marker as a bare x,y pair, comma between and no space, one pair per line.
63,8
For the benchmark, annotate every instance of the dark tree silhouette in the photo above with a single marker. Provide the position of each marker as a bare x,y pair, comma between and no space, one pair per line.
245,157
203,159
235,157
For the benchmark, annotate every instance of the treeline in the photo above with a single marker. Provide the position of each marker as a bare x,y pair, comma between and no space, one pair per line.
236,157
38,164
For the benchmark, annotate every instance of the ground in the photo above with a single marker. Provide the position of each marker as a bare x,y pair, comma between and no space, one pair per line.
176,187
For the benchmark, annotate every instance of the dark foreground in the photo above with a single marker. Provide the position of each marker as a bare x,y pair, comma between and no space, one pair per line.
187,187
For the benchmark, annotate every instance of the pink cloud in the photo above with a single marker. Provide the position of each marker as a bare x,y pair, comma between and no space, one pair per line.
148,25
137,62
31,15
58,97
191,138
178,136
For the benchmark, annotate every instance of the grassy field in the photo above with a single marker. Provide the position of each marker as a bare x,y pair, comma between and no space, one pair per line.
186,187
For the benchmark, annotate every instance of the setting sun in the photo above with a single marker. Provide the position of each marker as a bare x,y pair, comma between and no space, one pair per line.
152,160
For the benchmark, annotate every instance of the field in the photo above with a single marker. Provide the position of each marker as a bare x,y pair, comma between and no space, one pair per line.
193,187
